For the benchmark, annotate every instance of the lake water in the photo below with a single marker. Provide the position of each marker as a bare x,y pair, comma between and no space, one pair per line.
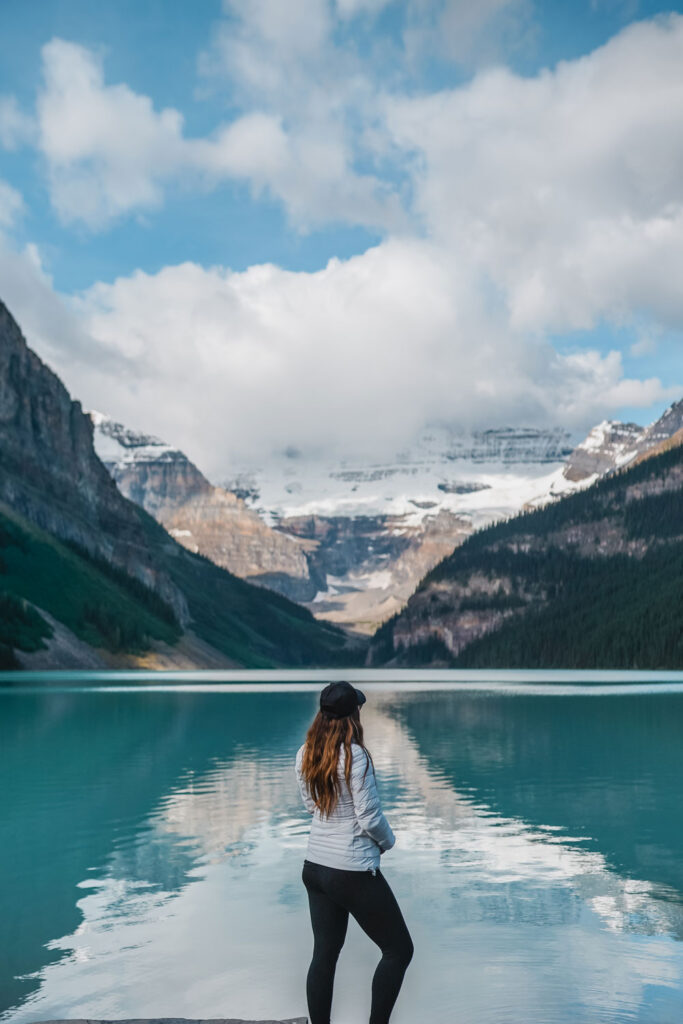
151,845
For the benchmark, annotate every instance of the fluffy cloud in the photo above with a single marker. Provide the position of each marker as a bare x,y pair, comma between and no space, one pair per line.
11,205
565,189
351,360
108,151
536,205
311,103
352,8
306,169
468,33
16,127
51,327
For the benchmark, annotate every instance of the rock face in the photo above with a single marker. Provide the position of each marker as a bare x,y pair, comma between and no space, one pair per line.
443,469
608,445
203,518
49,471
668,424
51,478
376,528
662,446
220,526
612,444
511,445
352,570
371,564
147,471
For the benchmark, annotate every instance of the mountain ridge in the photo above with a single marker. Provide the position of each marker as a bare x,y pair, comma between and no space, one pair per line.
364,534
496,600
200,516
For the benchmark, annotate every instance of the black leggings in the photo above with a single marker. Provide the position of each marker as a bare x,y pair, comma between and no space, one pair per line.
333,893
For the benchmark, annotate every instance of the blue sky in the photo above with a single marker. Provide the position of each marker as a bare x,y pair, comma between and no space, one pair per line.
237,223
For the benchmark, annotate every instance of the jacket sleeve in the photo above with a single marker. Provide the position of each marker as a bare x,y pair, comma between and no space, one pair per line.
308,800
366,802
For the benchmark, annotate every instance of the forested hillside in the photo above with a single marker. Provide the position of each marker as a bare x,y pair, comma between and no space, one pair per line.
592,580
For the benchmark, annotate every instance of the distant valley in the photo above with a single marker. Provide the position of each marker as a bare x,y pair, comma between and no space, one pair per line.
352,541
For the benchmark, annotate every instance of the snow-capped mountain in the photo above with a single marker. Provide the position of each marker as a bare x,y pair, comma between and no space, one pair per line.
120,443
668,424
148,471
351,540
609,445
378,527
477,476
204,518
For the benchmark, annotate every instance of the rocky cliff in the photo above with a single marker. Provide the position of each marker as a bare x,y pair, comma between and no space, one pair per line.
146,469
370,565
612,444
203,518
509,445
352,541
74,546
609,444
49,471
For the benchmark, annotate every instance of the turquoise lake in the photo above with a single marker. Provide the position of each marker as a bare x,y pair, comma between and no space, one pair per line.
151,845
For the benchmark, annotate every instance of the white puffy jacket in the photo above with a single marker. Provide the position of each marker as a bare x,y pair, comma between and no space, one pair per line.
356,830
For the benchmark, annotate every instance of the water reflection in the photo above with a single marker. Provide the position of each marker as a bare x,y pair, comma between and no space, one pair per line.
604,768
535,869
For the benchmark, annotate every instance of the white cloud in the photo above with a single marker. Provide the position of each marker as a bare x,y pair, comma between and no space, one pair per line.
16,127
309,104
268,51
546,204
54,330
643,346
110,153
108,150
352,359
565,189
306,169
11,205
599,383
527,175
352,8
297,29
470,34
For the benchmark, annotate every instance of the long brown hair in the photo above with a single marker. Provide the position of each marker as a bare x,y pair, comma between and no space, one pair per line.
320,759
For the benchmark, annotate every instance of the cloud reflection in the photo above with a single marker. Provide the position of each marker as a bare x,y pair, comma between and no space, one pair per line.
505,914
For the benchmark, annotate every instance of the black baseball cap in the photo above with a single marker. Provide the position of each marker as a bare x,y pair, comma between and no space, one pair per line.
341,699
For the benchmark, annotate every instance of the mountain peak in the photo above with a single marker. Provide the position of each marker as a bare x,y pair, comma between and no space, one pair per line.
141,446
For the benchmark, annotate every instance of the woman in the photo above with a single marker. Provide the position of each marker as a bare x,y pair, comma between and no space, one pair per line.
341,872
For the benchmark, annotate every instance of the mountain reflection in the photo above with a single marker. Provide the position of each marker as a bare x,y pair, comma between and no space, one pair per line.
603,768
169,833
